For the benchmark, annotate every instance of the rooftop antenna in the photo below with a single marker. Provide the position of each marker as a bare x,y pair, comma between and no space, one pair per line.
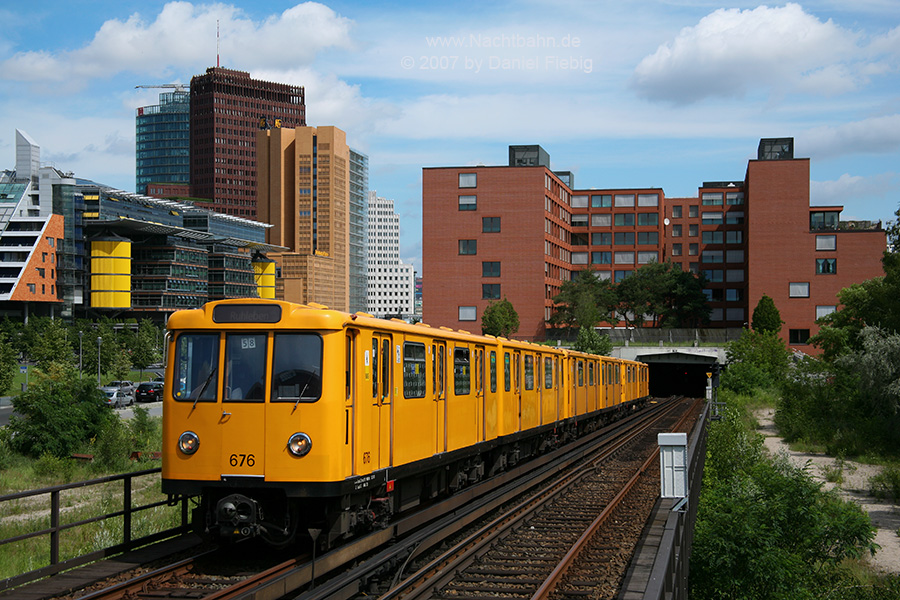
217,43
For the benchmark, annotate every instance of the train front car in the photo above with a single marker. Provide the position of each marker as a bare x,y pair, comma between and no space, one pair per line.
250,423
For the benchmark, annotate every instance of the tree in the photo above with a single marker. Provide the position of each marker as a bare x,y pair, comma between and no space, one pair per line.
46,341
8,363
760,358
663,292
143,345
766,317
584,301
590,341
500,319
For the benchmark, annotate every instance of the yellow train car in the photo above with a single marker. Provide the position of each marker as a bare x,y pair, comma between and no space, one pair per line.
283,416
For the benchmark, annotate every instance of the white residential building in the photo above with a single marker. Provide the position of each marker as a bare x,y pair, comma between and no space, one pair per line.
391,282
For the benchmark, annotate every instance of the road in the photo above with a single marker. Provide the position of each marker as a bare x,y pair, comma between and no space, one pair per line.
155,408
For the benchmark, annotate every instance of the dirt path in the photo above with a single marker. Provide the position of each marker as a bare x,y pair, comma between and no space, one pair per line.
885,516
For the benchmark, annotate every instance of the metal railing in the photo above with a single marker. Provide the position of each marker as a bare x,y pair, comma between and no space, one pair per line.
56,528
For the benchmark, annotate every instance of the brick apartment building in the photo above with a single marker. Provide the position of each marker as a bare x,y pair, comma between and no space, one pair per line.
520,231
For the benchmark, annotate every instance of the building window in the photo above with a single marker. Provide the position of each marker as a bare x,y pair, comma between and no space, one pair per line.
490,291
601,239
826,266
466,313
648,219
824,311
693,230
32,287
711,256
826,242
579,220
798,289
648,237
676,212
624,200
468,180
601,258
625,238
648,199
734,237
823,220
601,201
620,275
713,237
468,246
694,268
646,257
711,199
579,258
624,258
601,220
468,202
676,249
734,314
734,275
490,224
711,218
798,336
734,198
490,269
693,249
693,211
625,220
734,256
579,201
713,275
603,275
734,295
715,314
41,272
734,217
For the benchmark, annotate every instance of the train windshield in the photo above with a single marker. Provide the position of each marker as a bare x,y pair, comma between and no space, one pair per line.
297,367
196,362
245,367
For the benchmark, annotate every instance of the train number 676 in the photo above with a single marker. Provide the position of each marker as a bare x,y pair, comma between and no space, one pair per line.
240,460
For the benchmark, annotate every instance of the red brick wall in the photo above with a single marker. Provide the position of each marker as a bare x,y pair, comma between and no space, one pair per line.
42,257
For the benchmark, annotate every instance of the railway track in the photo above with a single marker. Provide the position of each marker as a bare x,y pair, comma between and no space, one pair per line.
509,558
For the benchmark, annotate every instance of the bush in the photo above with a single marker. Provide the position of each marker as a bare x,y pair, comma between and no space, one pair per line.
743,378
48,466
886,485
57,414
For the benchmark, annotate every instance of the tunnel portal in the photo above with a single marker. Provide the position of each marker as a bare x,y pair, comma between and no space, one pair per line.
678,373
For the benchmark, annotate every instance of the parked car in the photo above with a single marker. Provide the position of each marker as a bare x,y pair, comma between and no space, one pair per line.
116,398
125,386
149,391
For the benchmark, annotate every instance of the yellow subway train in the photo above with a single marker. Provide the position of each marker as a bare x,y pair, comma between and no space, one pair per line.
284,417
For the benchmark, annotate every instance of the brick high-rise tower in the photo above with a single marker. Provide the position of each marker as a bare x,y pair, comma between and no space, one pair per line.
227,109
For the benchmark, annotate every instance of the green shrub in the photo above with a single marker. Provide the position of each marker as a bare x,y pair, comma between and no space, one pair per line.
886,485
59,470
112,447
743,378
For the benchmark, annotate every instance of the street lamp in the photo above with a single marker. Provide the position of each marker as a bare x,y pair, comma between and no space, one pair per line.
80,353
99,341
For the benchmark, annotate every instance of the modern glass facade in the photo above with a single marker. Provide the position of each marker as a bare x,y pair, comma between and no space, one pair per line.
163,141
359,189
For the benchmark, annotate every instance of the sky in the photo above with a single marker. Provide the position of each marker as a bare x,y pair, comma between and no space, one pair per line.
625,94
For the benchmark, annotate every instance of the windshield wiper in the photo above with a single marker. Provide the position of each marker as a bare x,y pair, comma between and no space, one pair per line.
300,397
205,385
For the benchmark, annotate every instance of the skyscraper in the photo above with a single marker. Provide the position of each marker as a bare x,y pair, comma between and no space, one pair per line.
304,192
162,141
391,281
228,107
359,191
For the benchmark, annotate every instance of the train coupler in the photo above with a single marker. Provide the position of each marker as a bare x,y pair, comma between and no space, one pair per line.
238,517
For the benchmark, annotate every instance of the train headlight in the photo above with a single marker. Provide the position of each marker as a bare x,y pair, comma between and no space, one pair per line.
188,442
299,444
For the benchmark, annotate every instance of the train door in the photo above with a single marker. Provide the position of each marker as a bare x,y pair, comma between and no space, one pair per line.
382,395
350,375
478,376
517,386
243,405
490,396
439,393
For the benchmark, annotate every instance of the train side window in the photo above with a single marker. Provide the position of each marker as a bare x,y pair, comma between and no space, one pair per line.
548,373
479,385
529,372
493,371
245,367
580,373
442,388
591,373
507,372
461,371
434,381
413,370
196,364
516,372
375,367
386,368
297,367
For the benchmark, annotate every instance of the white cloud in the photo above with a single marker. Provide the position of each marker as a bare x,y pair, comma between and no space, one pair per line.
853,191
731,53
878,135
183,36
